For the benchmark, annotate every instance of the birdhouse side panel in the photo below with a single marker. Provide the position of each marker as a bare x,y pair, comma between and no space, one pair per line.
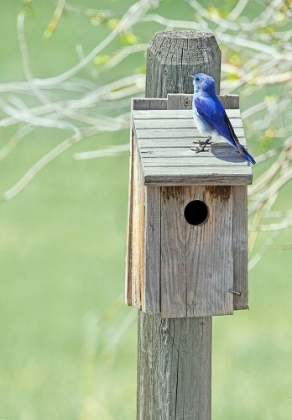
129,256
141,230
136,237
240,247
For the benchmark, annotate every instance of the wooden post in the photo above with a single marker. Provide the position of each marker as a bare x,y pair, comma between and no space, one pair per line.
173,55
174,355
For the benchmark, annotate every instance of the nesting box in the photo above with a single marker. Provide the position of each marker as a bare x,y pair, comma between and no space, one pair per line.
187,230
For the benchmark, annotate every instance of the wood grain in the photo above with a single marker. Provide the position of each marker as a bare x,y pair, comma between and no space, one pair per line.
173,55
174,361
138,226
240,247
167,141
143,235
197,261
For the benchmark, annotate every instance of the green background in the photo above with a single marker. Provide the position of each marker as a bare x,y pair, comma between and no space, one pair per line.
67,341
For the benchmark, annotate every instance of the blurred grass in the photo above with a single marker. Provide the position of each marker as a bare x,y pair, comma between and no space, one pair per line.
62,250
62,247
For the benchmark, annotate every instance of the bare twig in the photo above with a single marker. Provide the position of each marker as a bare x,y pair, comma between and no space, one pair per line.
259,255
109,151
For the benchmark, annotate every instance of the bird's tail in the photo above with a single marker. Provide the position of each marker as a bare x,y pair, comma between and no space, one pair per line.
247,156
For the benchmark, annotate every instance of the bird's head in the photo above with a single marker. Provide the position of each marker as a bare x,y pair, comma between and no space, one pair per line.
203,83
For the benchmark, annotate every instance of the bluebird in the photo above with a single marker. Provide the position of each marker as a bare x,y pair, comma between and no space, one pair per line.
210,116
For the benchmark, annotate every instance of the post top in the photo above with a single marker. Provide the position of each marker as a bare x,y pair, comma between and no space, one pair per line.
184,34
166,141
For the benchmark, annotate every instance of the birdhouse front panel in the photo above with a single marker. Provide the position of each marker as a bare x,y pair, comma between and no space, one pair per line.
196,260
187,233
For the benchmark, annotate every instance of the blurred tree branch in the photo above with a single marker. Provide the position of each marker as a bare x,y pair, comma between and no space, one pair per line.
256,54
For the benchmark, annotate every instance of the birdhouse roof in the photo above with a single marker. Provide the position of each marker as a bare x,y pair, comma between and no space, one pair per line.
166,141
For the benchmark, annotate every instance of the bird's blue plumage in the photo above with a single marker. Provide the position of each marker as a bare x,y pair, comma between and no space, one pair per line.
210,115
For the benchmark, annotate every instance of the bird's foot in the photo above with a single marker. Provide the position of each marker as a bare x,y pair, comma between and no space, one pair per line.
202,145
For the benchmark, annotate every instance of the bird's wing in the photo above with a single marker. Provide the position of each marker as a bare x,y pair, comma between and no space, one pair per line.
212,110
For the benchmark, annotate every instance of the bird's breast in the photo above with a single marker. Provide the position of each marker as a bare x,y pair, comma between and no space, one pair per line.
202,126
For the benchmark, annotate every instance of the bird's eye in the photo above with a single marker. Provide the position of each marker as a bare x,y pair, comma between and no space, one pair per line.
197,79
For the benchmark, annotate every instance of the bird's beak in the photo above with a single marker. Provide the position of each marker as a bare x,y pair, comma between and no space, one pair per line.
191,76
